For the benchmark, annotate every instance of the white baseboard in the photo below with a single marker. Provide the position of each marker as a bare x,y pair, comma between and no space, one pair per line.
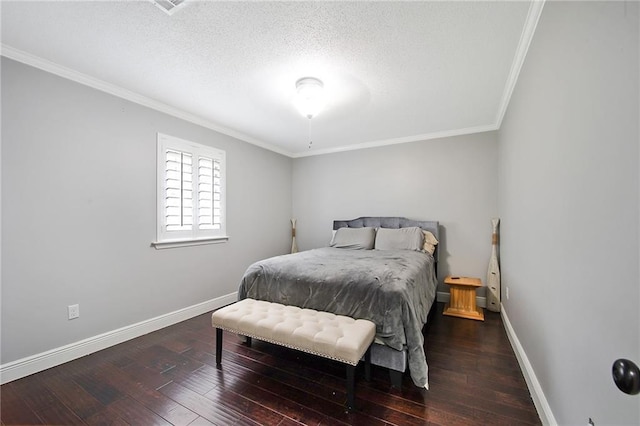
23,367
539,400
444,297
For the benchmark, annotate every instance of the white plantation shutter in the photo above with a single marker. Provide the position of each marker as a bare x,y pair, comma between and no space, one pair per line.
178,185
190,190
209,214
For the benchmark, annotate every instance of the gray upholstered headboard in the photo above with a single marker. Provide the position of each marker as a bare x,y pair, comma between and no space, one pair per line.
390,222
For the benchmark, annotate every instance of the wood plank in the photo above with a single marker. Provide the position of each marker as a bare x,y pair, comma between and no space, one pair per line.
33,392
99,389
106,416
215,413
73,396
59,414
334,406
14,410
135,413
201,421
149,377
155,401
272,400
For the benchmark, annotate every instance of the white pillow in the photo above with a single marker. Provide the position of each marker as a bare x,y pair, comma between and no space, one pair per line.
354,238
410,238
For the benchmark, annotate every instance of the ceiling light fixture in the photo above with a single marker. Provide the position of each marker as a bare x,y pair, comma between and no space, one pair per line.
309,99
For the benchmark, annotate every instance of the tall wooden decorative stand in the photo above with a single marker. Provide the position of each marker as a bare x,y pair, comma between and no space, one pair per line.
493,273
294,246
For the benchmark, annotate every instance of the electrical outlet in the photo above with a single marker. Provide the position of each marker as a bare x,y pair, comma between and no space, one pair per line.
74,311
507,291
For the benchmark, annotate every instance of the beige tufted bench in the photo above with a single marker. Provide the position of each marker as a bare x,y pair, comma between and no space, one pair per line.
328,335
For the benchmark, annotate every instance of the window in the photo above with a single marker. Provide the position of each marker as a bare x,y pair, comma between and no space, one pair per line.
191,193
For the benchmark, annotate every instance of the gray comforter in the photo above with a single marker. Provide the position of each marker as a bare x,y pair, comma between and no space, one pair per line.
393,288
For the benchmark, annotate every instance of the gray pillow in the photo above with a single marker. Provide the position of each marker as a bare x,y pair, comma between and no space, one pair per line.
354,238
410,238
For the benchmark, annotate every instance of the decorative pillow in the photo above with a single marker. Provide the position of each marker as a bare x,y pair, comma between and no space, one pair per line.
430,242
354,238
399,239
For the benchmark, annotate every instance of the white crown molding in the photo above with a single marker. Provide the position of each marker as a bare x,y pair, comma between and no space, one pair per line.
535,9
112,89
539,400
529,29
396,141
39,362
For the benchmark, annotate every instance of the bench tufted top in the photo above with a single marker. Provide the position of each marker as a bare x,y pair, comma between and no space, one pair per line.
331,336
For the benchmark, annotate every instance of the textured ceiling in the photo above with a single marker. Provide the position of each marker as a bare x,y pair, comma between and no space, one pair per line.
393,71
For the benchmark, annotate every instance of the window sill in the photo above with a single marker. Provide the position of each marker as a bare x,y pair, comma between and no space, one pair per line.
161,245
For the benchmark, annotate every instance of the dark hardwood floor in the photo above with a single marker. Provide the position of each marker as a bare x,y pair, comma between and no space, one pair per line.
169,377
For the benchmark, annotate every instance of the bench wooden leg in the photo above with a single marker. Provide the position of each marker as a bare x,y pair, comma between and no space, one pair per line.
351,378
367,365
218,346
396,378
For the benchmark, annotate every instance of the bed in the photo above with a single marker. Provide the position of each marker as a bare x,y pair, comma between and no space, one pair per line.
393,285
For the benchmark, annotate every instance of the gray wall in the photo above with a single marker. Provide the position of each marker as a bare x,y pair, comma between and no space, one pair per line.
452,180
79,213
568,154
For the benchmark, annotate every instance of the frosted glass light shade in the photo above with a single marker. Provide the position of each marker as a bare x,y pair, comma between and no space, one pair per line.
310,96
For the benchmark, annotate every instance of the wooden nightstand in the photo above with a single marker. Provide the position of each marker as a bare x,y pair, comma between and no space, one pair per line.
463,298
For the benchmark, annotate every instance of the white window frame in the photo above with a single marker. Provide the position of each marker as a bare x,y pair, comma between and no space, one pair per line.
195,236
